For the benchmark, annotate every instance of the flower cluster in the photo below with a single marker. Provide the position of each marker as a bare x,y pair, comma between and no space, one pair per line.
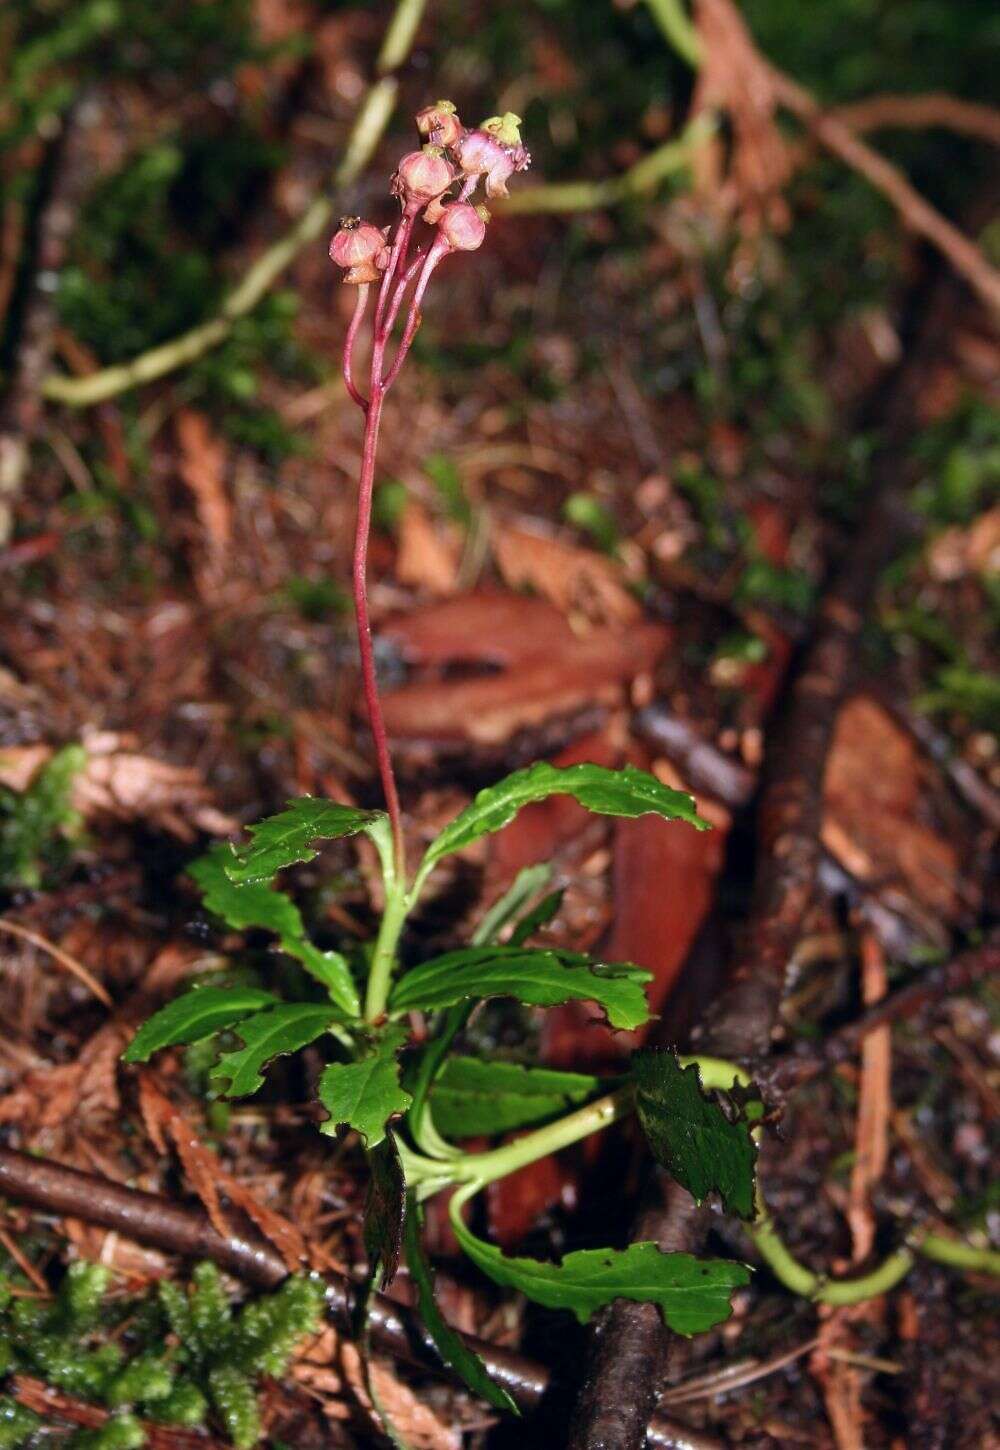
451,156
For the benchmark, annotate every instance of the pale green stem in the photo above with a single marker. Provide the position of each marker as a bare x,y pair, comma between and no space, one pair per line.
400,36
570,196
803,1281
958,1255
368,129
487,1167
384,954
677,27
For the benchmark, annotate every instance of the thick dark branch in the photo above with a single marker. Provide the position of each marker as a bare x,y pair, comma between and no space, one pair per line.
21,408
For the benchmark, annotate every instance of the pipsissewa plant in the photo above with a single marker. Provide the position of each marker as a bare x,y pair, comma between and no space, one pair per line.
412,1104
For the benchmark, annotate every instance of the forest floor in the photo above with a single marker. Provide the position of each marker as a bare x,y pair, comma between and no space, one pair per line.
574,559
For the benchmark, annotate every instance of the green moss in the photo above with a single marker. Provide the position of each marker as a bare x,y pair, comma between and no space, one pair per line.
17,1424
234,1398
185,1405
178,1356
39,825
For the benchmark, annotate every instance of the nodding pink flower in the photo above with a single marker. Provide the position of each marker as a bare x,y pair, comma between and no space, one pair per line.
463,226
360,248
421,177
494,151
440,123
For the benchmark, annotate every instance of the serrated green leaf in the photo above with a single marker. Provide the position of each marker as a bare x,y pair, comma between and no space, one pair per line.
243,907
195,1015
288,837
473,1097
628,792
690,1134
268,1035
450,1345
257,905
385,1207
692,1294
542,978
366,1093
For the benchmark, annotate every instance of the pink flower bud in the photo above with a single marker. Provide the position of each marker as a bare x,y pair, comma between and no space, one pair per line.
483,153
463,227
359,247
422,176
440,123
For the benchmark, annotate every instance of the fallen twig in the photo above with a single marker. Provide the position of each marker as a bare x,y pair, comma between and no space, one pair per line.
952,113
75,968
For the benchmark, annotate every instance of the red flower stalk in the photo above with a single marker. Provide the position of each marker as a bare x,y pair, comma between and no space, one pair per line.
367,255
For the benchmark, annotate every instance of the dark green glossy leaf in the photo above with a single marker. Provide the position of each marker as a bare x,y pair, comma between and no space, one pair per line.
366,1093
257,905
692,1294
270,1034
385,1206
525,886
473,1097
243,907
533,920
288,837
195,1015
690,1134
450,1345
627,792
540,978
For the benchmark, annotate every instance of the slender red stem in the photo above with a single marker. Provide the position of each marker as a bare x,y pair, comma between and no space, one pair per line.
437,253
389,321
373,703
352,333
397,256
386,312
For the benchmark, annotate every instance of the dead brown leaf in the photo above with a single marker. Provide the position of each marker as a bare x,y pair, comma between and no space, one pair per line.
413,1423
577,581
545,671
429,553
873,791
119,782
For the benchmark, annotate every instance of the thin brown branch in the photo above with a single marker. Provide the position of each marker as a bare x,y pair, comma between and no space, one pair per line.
809,1061
915,212
934,109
